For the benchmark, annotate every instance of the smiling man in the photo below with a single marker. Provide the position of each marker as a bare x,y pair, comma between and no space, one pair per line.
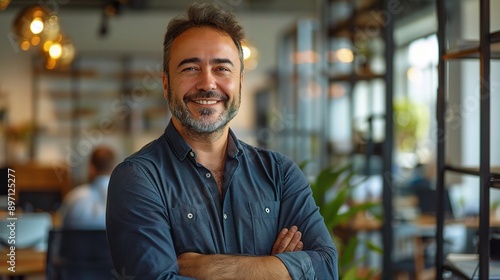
199,203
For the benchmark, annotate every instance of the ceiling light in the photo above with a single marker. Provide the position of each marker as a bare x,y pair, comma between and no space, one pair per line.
36,26
29,25
55,51
59,53
250,55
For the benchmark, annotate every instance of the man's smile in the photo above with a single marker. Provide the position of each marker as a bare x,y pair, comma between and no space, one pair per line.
205,102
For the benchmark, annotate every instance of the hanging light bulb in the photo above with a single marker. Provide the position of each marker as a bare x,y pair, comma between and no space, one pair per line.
55,51
29,26
250,55
58,53
34,25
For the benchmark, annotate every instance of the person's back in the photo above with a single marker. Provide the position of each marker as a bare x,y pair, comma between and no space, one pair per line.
85,206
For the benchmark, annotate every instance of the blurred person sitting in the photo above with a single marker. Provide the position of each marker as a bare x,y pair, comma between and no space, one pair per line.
85,206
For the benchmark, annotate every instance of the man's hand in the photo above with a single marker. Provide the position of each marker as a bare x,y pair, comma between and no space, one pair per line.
217,266
288,240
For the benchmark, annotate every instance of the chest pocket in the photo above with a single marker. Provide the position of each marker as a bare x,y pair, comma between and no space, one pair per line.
264,218
191,229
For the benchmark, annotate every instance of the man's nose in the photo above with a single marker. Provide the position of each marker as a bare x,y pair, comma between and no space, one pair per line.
207,81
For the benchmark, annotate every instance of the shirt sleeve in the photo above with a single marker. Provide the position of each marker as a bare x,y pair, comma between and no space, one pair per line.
138,226
318,259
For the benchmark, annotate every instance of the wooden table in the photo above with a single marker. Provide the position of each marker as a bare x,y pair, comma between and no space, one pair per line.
28,262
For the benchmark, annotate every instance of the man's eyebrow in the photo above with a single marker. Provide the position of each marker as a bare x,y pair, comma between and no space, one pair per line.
222,61
213,61
189,60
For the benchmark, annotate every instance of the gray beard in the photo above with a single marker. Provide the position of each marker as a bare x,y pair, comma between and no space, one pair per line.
201,126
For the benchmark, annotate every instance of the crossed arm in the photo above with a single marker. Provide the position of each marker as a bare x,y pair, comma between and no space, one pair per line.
218,266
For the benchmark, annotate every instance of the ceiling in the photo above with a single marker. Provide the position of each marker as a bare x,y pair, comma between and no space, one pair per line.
303,6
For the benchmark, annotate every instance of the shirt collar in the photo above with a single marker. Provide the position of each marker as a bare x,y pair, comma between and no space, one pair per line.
181,148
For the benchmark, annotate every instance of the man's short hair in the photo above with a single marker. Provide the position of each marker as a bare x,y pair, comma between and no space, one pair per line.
103,159
203,15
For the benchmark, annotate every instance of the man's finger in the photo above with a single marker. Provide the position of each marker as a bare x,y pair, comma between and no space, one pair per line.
299,246
284,243
294,241
278,241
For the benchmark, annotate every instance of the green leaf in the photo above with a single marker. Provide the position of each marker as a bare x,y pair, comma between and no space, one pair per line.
374,247
349,214
348,253
350,274
340,180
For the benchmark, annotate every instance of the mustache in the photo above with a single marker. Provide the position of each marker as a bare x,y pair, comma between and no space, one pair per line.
205,94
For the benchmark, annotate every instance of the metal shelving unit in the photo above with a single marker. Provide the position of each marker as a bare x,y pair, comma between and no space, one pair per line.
487,179
361,16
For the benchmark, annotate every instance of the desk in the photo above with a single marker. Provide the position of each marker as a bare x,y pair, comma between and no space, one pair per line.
474,222
466,265
28,262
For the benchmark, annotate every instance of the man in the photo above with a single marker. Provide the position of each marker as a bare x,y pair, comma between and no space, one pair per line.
199,203
85,206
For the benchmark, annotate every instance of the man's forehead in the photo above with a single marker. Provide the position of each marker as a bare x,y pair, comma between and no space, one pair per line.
201,41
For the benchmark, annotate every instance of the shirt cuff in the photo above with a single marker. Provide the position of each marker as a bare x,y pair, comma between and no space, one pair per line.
299,264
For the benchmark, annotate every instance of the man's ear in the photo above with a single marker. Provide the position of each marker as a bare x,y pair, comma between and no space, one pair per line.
165,85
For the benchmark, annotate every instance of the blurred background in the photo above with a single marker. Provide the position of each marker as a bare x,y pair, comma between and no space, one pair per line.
330,82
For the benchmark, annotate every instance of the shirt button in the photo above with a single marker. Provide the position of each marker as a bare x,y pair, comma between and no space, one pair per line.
267,210
208,175
191,154
190,215
225,216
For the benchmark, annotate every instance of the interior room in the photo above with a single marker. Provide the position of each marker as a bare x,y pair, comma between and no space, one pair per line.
386,106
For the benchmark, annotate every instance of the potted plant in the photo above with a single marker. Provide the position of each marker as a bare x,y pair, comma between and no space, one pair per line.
338,211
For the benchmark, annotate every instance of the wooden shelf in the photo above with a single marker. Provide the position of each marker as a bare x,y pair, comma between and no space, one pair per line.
362,15
470,49
356,77
67,73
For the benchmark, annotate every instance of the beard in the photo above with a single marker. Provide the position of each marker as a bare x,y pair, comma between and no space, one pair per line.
203,124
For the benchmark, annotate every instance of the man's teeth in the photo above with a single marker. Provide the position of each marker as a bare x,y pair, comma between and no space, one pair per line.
205,102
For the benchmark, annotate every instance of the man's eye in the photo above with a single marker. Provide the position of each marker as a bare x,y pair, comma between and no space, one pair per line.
189,69
223,69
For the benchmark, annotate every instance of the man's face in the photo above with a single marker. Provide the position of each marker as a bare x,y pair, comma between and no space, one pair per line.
203,86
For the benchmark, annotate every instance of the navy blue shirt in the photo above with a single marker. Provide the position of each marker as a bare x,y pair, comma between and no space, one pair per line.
162,203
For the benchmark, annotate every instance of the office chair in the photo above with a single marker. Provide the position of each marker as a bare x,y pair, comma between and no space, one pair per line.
78,255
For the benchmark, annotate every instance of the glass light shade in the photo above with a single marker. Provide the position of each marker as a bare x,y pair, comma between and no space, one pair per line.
34,25
59,53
